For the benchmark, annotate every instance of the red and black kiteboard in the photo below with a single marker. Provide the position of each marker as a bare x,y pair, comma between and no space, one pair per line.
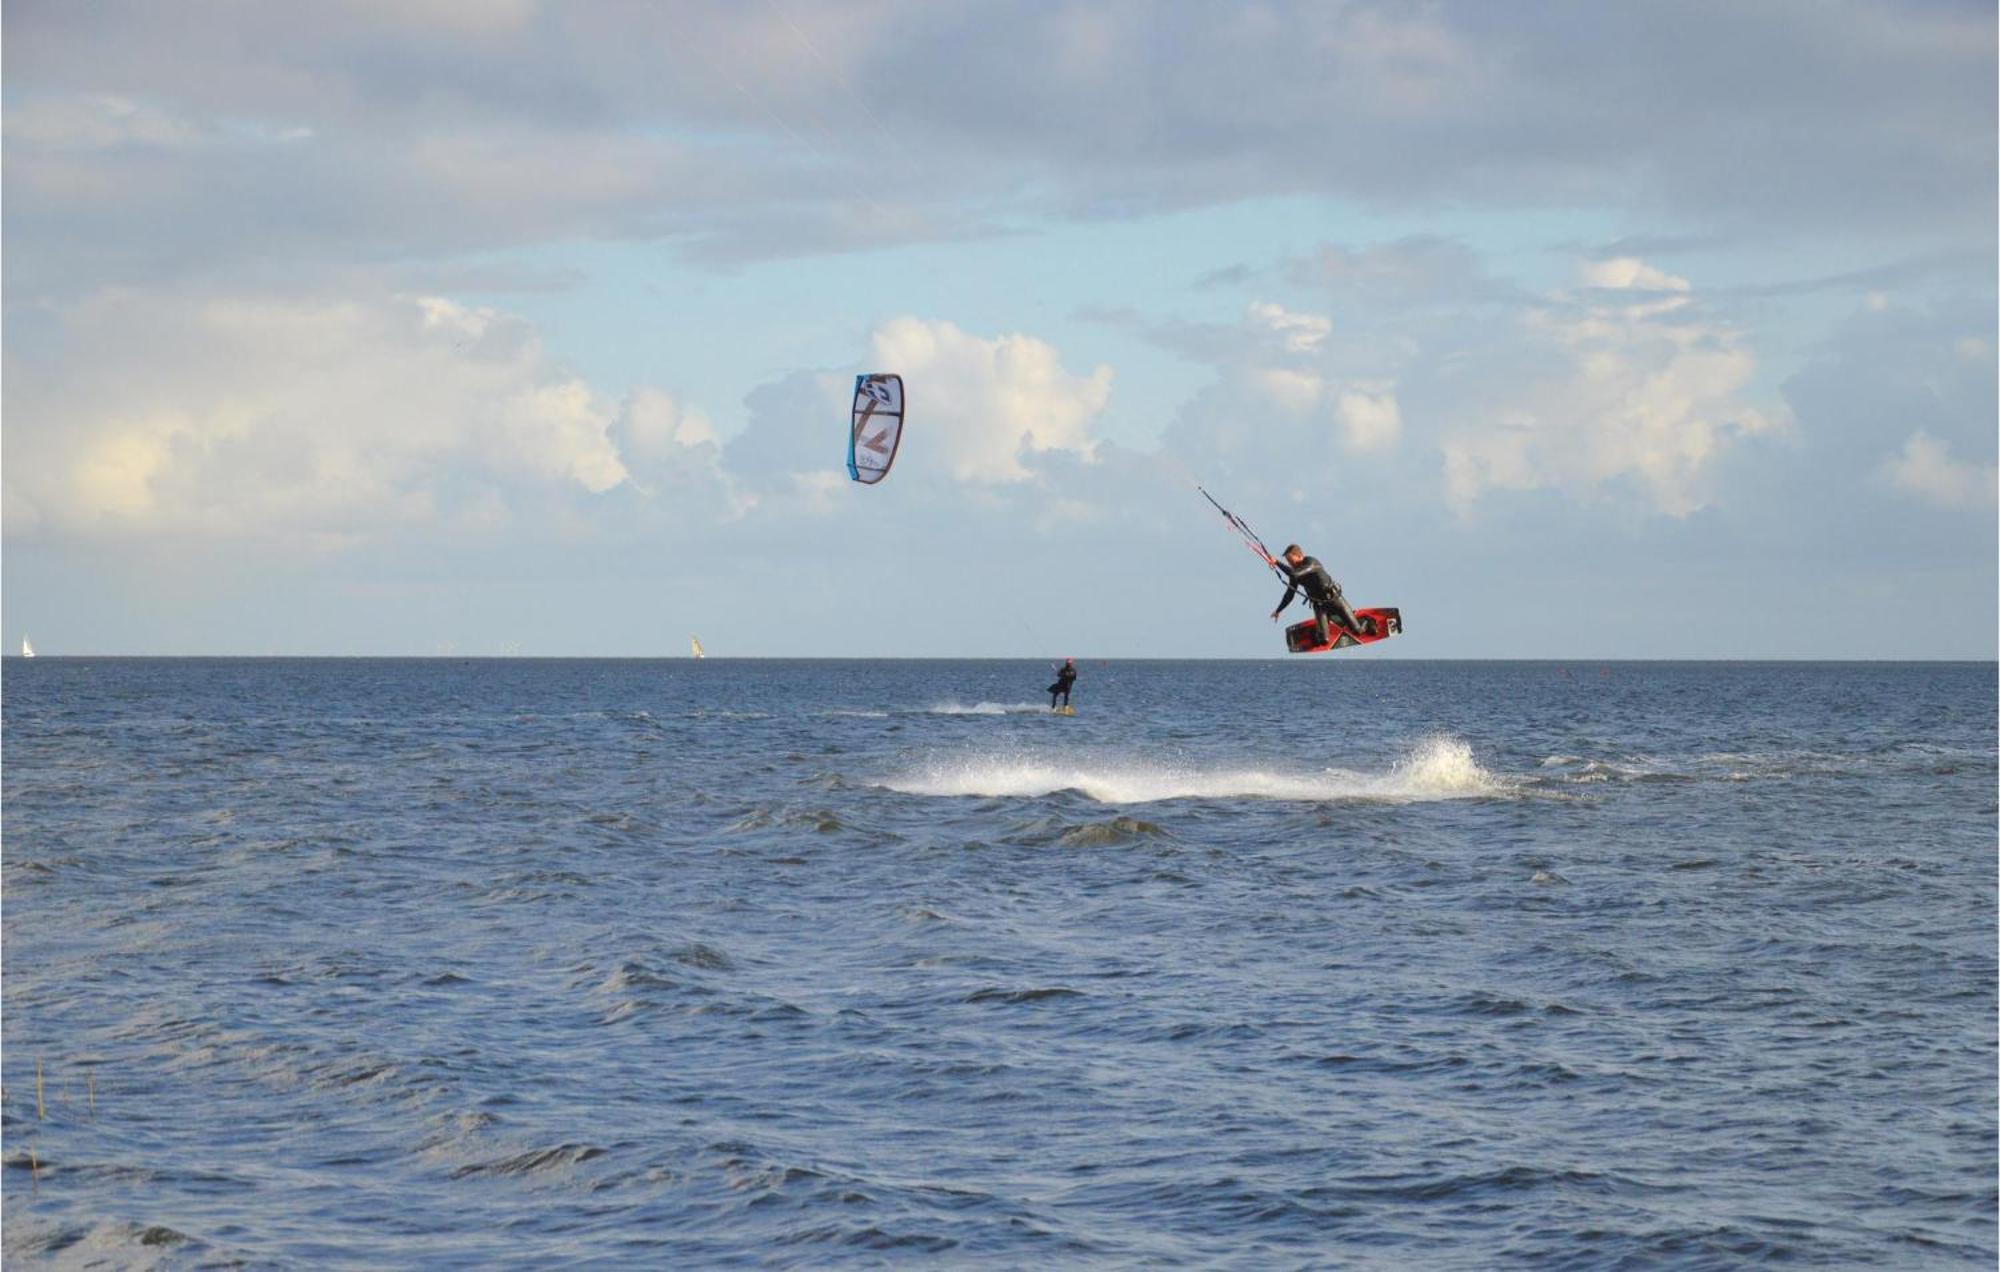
1381,624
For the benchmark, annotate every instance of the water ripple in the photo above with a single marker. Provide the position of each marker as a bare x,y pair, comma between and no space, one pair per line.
1263,964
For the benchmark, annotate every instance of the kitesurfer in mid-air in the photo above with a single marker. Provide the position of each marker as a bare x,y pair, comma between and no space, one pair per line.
1306,574
1065,677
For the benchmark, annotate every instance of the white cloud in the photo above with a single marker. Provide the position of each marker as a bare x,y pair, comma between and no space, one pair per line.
1370,419
1629,273
1294,392
655,429
980,406
1927,471
1295,333
1498,458
1643,392
818,492
320,420
1281,377
668,447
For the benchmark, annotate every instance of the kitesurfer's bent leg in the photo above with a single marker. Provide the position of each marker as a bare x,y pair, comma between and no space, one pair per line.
1336,608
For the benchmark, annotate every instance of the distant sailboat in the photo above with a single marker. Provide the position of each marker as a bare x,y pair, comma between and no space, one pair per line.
27,650
696,642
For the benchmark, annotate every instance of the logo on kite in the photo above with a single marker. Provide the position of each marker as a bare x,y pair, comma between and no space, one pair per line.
877,427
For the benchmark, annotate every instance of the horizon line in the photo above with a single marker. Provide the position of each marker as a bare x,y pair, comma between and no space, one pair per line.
1273,658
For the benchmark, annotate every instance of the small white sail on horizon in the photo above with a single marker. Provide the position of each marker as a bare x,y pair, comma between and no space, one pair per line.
696,642
27,650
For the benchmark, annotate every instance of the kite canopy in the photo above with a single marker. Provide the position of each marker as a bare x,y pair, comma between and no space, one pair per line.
877,427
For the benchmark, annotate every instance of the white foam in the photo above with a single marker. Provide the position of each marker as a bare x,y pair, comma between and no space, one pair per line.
1442,768
1731,766
986,708
1439,768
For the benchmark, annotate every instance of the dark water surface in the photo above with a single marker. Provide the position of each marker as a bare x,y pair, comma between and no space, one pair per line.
1323,962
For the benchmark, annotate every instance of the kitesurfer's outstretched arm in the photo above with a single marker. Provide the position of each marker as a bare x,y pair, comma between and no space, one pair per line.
1291,590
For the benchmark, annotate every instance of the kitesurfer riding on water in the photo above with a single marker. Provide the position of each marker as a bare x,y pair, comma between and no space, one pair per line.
1306,574
1065,677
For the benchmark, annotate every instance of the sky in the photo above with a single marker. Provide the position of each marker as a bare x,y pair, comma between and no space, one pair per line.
1575,330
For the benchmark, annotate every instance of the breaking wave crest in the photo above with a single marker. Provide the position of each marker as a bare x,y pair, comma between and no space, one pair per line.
1438,768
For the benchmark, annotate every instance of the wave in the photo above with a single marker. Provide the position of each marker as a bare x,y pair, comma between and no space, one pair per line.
532,1161
1438,768
1711,766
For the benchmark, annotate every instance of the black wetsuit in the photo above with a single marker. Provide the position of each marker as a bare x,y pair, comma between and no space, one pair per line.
1310,577
1065,677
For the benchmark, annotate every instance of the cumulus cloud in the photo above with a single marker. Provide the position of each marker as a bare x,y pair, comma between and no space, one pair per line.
1928,471
1294,333
654,432
203,201
673,455
1629,382
1896,404
1292,392
1370,419
314,420
1641,391
1307,383
989,403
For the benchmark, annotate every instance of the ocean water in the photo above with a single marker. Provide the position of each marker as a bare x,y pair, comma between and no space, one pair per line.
1321,962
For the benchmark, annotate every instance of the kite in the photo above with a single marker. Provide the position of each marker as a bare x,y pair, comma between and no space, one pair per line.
877,427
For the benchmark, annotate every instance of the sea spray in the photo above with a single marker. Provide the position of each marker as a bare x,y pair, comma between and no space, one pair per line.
1439,768
953,708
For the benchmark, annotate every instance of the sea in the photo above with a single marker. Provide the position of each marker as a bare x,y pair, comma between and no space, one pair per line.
1340,962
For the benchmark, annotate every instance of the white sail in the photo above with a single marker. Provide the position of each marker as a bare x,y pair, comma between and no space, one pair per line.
696,642
27,650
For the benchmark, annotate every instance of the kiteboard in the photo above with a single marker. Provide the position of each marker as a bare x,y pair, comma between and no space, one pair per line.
1065,710
1303,638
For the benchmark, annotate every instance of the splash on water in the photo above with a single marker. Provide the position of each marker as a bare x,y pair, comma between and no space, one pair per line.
1437,768
949,707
